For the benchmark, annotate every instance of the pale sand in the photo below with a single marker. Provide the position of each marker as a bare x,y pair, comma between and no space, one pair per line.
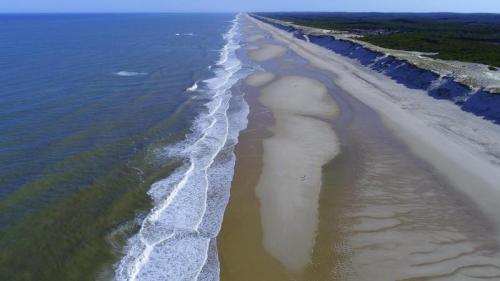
469,160
259,79
255,38
290,182
266,52
395,240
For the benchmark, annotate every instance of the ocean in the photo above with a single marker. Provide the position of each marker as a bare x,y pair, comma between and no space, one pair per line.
117,144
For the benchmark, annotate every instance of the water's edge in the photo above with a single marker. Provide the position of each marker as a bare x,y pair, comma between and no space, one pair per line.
177,239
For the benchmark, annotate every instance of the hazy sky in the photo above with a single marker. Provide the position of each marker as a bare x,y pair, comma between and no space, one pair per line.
492,6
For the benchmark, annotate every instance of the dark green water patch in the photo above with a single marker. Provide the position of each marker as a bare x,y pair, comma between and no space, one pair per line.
71,238
67,240
73,223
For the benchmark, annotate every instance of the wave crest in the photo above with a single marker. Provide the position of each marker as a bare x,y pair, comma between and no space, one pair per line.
176,240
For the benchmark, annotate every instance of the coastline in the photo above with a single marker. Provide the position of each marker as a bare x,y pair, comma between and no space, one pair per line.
177,238
380,92
477,77
378,185
474,90
271,155
240,256
219,147
90,136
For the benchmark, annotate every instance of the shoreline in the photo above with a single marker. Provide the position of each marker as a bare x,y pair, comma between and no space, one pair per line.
241,228
380,205
177,237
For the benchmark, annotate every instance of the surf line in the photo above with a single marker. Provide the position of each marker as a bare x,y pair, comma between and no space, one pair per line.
144,243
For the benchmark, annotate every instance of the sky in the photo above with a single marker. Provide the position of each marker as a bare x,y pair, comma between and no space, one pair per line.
10,6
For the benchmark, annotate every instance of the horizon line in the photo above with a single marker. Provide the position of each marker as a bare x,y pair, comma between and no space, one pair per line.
231,12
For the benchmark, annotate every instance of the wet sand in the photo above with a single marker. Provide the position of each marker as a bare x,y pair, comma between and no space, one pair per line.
241,253
266,52
373,209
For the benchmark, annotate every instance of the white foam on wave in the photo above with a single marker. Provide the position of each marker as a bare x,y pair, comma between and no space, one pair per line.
129,73
176,240
193,87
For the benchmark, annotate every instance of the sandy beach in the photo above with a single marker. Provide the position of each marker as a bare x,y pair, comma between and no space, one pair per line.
188,140
340,175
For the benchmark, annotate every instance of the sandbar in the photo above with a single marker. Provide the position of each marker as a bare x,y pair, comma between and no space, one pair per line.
266,52
259,79
290,183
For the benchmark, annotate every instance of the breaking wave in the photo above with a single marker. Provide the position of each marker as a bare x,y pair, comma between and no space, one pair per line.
193,87
177,239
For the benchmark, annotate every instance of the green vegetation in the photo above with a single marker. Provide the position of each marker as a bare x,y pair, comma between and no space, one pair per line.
461,37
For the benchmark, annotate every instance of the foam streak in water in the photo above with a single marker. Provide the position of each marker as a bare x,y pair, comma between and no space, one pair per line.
129,73
176,240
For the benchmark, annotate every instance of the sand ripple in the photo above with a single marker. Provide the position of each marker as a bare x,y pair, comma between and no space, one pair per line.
403,217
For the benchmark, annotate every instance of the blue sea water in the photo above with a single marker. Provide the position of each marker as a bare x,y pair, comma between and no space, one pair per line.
98,114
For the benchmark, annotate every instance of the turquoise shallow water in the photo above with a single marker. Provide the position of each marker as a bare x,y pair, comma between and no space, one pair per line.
87,105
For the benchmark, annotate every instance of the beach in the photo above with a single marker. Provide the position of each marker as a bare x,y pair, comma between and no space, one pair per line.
344,174
229,147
